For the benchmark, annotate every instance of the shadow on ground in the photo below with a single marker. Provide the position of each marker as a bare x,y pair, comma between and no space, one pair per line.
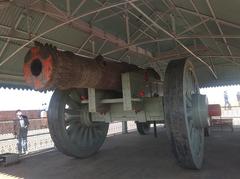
131,156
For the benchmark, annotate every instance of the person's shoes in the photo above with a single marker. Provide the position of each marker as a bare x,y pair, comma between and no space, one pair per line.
26,152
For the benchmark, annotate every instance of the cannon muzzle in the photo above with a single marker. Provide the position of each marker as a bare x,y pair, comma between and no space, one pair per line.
45,67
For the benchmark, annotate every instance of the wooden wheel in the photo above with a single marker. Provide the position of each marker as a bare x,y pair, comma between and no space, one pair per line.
185,113
70,125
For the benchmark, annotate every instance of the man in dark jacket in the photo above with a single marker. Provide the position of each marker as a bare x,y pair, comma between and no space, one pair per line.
20,131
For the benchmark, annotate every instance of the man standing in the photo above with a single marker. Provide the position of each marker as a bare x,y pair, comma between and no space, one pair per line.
227,104
238,98
20,131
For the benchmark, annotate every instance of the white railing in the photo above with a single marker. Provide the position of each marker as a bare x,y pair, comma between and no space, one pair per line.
40,139
233,113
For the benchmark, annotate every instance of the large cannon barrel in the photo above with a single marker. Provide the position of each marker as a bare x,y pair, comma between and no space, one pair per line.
45,67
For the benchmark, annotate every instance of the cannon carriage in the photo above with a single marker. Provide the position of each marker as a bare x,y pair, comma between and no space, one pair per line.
177,38
91,93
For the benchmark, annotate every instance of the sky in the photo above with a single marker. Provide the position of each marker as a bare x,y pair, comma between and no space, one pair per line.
11,99
215,95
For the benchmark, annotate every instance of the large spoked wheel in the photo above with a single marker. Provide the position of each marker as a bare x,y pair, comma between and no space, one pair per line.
70,125
185,113
143,128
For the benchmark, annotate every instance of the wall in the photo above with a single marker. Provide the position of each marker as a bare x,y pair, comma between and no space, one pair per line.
7,118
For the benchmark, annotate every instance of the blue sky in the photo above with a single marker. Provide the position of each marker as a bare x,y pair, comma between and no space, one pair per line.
25,99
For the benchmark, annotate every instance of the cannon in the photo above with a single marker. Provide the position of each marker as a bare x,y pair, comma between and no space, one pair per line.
91,93
47,68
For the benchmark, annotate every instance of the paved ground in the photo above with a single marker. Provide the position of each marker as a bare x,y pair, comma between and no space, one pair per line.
135,157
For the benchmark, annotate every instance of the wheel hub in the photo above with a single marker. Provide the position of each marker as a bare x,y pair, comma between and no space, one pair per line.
86,118
200,110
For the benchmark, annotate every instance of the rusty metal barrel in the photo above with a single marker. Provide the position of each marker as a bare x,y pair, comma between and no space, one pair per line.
45,67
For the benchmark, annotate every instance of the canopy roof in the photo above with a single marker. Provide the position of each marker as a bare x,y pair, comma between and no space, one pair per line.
142,32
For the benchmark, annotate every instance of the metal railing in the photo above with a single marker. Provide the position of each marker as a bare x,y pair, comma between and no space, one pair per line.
40,139
233,113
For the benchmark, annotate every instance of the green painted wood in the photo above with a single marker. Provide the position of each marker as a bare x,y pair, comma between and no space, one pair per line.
92,100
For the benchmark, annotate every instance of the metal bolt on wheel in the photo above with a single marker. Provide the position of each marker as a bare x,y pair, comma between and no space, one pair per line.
70,125
186,135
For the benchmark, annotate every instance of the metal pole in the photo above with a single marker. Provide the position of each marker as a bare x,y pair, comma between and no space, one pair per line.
155,129
58,26
124,127
219,28
173,37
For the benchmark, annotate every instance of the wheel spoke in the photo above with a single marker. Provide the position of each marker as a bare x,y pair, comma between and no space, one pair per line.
70,129
73,104
73,111
188,101
90,136
73,134
95,136
99,131
72,120
72,116
84,137
79,136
